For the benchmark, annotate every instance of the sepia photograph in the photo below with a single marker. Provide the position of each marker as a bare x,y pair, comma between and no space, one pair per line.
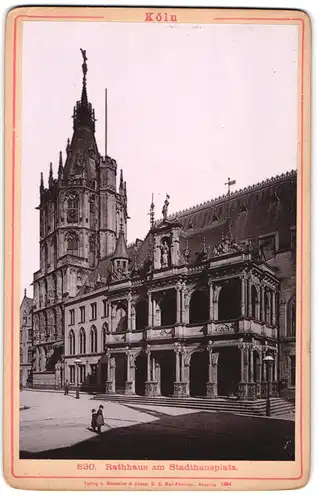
160,166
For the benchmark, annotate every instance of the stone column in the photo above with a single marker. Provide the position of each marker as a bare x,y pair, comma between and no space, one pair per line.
275,375
151,384
243,295
244,388
150,310
262,309
274,315
110,382
133,318
113,306
129,312
211,299
250,305
183,303
148,356
259,374
251,372
153,370
177,366
178,304
130,379
179,385
211,385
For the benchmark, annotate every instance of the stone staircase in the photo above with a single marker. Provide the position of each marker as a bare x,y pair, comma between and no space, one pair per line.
279,407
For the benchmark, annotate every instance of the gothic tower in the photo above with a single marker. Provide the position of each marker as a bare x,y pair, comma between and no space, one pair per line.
80,214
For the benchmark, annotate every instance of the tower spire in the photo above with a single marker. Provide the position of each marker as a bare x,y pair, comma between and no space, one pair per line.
83,115
60,170
50,175
152,212
41,183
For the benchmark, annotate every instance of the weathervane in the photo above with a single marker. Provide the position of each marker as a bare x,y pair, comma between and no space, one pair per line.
229,183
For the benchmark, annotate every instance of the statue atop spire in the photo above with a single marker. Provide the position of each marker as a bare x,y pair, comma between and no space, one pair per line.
84,65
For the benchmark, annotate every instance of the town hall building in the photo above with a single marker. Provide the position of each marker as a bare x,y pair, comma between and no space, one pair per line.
190,310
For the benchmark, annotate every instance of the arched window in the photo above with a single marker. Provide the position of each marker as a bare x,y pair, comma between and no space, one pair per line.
45,256
72,243
141,315
54,248
71,342
25,318
82,339
29,355
105,332
268,308
291,317
254,302
92,250
93,339
199,307
229,300
72,209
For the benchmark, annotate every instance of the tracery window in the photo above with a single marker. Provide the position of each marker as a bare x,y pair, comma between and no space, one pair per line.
72,243
71,342
72,209
82,338
93,339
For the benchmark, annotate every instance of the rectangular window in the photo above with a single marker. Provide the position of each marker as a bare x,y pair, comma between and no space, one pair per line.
30,335
267,245
82,314
72,317
293,371
105,308
93,311
72,374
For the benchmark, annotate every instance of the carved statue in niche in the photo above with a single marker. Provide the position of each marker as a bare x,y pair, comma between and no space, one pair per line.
164,253
119,271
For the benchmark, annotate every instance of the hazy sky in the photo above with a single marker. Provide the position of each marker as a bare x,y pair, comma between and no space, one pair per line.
188,106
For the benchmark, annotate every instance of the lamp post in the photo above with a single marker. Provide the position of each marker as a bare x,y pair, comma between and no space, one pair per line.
268,360
77,363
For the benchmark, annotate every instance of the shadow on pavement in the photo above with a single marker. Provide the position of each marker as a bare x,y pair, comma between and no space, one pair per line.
199,436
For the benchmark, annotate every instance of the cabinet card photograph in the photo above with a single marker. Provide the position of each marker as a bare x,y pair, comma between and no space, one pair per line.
157,302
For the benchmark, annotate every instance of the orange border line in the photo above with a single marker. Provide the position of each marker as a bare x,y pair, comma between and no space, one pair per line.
12,254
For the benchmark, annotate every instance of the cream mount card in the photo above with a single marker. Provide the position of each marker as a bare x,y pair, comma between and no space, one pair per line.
157,243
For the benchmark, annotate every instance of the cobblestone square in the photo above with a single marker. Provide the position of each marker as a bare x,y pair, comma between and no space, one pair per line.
55,426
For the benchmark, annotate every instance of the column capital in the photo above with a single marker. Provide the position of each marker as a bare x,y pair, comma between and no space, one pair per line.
243,346
209,346
177,347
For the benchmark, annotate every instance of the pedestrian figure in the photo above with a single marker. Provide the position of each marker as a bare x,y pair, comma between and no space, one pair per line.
66,388
100,418
93,421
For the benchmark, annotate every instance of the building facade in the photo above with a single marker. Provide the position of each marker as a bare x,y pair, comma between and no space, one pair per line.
80,212
190,310
26,335
194,308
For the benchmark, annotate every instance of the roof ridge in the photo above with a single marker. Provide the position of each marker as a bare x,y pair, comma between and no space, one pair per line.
234,194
